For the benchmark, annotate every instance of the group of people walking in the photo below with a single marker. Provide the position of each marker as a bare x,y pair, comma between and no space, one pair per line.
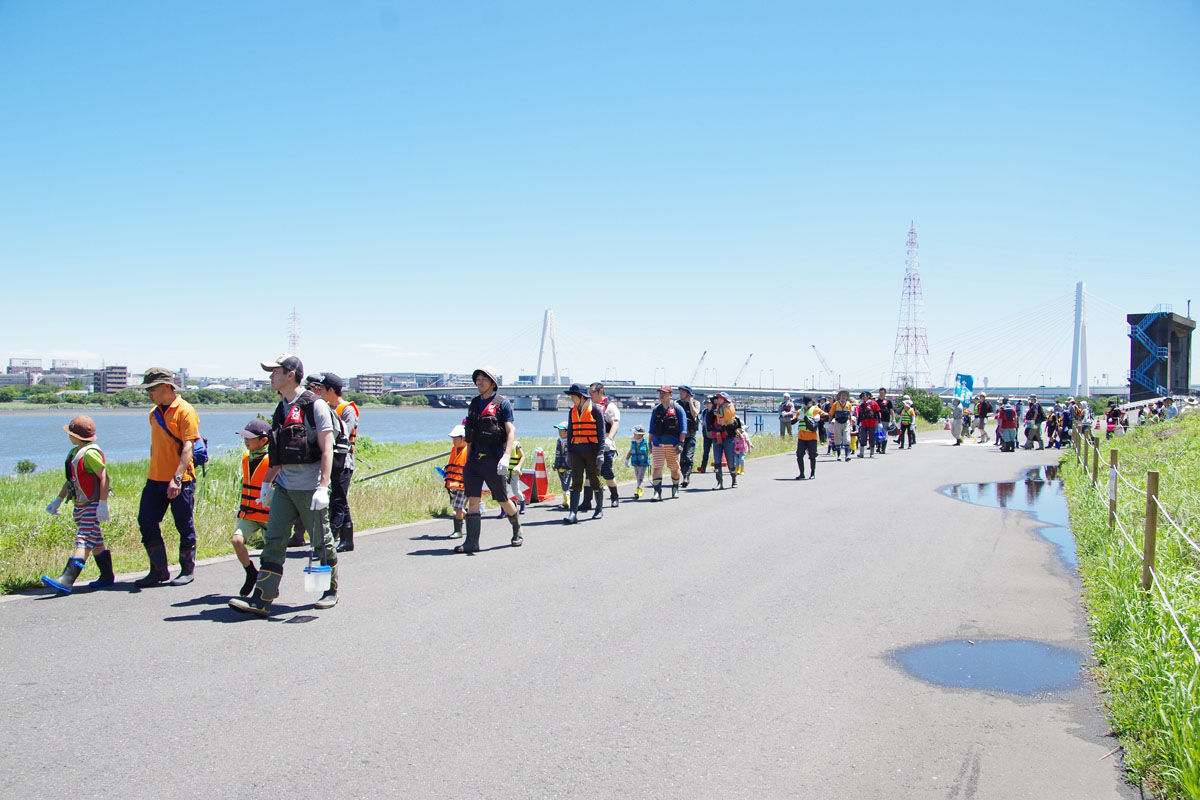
846,427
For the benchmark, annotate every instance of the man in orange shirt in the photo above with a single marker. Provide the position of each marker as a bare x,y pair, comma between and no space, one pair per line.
171,483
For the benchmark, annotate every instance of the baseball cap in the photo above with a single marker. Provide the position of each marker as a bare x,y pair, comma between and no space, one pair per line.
285,361
157,376
331,381
562,426
254,429
665,388
81,427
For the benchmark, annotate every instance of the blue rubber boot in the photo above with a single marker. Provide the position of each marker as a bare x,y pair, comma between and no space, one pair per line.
63,583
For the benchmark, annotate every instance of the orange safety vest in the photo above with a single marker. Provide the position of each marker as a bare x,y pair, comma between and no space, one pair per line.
251,509
454,468
337,412
583,425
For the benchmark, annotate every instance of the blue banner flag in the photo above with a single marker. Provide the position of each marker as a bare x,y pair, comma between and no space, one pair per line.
964,387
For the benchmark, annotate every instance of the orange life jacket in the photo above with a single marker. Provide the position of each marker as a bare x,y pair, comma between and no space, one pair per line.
337,412
454,468
251,509
583,424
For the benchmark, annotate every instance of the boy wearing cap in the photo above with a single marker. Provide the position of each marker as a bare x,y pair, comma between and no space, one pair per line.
252,514
668,428
329,389
585,441
454,478
171,482
639,457
300,455
490,436
87,486
562,462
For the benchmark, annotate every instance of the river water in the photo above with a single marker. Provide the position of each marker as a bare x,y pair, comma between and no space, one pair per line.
124,435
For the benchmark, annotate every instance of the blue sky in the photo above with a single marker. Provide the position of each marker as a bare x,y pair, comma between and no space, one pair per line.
421,181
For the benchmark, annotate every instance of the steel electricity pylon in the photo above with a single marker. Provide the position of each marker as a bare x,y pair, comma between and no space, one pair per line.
910,359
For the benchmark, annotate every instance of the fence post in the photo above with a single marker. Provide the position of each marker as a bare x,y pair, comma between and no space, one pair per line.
1095,461
1151,529
1112,488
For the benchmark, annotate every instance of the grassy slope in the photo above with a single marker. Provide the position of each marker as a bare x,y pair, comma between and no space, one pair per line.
32,543
1146,667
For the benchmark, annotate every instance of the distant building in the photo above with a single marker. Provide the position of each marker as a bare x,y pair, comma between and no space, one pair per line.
15,379
30,366
111,380
367,384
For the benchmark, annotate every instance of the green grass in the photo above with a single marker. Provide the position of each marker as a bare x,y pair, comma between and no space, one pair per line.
1146,668
33,543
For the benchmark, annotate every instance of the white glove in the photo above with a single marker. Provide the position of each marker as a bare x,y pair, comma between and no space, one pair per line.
265,493
52,509
502,468
320,500
102,511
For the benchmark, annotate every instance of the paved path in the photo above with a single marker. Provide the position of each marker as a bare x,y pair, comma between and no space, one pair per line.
724,645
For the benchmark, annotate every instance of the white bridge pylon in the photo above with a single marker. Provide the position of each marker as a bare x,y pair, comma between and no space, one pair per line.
547,334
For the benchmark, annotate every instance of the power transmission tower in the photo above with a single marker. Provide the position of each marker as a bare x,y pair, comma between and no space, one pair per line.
910,359
294,332
547,335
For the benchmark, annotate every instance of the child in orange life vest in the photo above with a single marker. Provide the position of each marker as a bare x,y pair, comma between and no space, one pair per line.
87,485
562,462
454,478
255,507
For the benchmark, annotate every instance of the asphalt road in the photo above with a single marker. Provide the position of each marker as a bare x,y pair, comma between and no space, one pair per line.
731,644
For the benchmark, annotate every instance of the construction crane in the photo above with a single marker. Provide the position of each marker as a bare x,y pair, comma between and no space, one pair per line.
833,381
699,364
949,372
743,369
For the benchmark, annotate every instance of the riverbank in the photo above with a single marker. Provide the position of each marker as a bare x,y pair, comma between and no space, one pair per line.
33,543
1149,671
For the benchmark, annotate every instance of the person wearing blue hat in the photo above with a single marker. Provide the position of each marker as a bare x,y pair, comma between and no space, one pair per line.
691,410
585,441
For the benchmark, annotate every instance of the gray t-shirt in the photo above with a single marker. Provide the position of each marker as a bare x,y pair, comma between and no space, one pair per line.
305,476
349,418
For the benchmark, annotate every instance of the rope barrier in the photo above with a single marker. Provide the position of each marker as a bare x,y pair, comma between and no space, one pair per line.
1174,524
1171,610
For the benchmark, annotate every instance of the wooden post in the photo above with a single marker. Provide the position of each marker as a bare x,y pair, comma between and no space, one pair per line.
1112,490
1151,529
1095,461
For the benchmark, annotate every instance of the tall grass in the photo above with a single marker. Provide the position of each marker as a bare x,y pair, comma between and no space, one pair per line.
33,543
1149,673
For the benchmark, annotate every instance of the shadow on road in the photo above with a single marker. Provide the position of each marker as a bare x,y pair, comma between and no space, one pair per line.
225,614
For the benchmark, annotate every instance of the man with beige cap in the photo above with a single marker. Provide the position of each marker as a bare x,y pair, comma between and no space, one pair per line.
171,482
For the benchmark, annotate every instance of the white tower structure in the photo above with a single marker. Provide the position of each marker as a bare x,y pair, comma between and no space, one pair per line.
547,335
910,359
1078,382
294,332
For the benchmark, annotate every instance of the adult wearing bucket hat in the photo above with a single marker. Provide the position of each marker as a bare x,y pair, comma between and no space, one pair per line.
171,481
668,428
300,455
691,410
585,440
490,433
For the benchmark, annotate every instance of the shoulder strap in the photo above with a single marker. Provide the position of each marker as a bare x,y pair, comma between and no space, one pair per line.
163,424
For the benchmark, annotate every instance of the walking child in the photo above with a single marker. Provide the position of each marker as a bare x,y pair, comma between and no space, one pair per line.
252,514
514,477
741,446
87,485
638,457
562,462
454,478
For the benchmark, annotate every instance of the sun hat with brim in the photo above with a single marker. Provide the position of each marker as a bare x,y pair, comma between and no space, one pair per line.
639,429
577,389
490,372
81,427
285,361
254,429
457,430
908,403
685,388
157,376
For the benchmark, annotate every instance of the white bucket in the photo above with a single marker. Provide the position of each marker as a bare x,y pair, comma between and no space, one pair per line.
318,578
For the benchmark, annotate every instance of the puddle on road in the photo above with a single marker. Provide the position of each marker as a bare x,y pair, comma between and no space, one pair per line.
1015,666
1039,493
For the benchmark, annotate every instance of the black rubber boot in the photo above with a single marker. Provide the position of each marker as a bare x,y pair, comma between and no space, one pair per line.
254,604
471,543
187,565
674,489
103,560
599,512
329,597
733,475
586,505
614,499
458,529
720,479
517,540
158,568
573,514
346,545
657,496
251,578
63,583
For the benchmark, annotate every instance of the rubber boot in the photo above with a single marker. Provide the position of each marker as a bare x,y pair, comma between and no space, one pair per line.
720,479
614,499
565,503
329,597
63,583
573,516
266,589
734,476
657,496
251,579
103,560
347,543
586,505
158,567
458,529
599,512
517,539
187,565
474,524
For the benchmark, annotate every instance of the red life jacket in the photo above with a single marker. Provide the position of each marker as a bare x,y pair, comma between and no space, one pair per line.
86,485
